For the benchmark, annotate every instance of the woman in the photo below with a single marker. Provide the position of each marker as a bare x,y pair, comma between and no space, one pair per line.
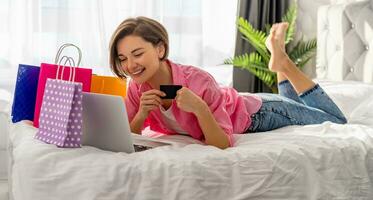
139,49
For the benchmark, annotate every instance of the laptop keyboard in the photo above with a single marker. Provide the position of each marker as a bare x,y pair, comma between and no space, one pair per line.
140,147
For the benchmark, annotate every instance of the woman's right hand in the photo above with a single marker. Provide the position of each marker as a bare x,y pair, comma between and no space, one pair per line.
150,100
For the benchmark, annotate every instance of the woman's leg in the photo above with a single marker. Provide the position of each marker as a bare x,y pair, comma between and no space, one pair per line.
282,64
279,32
310,94
284,86
278,111
286,89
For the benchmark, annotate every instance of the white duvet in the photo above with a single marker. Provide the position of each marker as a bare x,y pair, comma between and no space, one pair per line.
326,161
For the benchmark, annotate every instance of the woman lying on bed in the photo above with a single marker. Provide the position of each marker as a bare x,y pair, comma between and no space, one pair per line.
139,48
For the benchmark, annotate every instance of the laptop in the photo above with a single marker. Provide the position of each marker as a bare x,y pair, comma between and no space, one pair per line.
106,125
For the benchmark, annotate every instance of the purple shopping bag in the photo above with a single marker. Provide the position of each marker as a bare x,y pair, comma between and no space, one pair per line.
60,121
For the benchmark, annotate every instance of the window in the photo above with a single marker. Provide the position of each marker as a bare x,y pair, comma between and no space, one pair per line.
202,32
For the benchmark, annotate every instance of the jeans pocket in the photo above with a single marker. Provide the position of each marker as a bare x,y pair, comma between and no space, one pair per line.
255,122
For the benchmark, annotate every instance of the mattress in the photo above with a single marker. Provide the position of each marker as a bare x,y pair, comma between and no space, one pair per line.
324,161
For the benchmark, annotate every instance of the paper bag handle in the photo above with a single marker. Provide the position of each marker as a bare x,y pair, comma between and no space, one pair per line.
72,71
62,47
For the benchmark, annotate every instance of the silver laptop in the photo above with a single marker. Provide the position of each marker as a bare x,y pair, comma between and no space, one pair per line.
106,126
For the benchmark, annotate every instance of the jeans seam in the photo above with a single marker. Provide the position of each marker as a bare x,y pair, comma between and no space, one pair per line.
307,92
284,114
283,82
340,117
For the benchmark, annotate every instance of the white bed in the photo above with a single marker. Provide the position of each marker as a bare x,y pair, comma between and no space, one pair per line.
5,99
326,161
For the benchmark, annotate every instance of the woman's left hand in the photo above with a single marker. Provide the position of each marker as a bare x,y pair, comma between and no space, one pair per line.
187,101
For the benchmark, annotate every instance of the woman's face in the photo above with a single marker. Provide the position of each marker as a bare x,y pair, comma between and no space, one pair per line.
139,59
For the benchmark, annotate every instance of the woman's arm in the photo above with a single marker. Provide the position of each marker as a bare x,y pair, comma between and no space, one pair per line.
188,101
149,100
137,123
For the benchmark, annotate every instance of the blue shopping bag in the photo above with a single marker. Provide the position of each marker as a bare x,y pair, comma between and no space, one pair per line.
25,93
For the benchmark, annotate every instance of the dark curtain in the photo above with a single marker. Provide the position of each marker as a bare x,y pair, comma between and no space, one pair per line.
258,13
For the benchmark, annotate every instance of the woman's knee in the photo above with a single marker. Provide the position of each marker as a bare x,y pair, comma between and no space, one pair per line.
341,120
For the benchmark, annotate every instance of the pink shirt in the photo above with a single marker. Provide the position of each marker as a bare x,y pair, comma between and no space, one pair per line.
231,110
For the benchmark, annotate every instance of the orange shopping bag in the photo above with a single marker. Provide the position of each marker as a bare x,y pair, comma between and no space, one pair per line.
108,85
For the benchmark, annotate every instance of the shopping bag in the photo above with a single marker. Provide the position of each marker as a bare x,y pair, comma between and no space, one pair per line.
61,119
108,85
83,75
25,93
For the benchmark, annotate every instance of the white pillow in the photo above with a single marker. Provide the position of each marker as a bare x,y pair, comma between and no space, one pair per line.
352,97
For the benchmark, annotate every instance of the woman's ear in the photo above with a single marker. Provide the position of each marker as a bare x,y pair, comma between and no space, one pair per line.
161,50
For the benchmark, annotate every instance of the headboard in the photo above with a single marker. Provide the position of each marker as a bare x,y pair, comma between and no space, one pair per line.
307,24
306,27
345,42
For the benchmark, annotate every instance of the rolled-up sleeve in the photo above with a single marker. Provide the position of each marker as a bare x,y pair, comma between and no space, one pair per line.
215,99
132,101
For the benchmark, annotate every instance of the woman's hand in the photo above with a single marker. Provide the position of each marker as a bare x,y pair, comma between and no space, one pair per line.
214,135
187,101
150,100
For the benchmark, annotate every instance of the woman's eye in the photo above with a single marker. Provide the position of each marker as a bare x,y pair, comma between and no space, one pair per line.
122,60
137,55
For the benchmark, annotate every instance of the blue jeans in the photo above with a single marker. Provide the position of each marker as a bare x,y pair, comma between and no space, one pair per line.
311,107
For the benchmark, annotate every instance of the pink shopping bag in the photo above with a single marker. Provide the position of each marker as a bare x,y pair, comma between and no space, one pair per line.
82,75
61,119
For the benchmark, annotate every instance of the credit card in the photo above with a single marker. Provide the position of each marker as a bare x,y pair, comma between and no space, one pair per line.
170,90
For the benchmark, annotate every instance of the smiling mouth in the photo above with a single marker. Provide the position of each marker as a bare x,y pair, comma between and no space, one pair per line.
138,72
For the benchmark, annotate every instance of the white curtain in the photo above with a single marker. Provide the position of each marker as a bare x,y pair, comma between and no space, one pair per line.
202,32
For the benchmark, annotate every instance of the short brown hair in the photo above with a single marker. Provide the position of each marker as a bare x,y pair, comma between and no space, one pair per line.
146,28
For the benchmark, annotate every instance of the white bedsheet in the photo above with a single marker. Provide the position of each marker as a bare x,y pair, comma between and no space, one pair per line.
326,161
5,98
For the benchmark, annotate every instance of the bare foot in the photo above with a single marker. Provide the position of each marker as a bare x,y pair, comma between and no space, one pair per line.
281,33
276,45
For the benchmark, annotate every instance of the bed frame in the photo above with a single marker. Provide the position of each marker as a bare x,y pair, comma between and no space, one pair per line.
345,42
